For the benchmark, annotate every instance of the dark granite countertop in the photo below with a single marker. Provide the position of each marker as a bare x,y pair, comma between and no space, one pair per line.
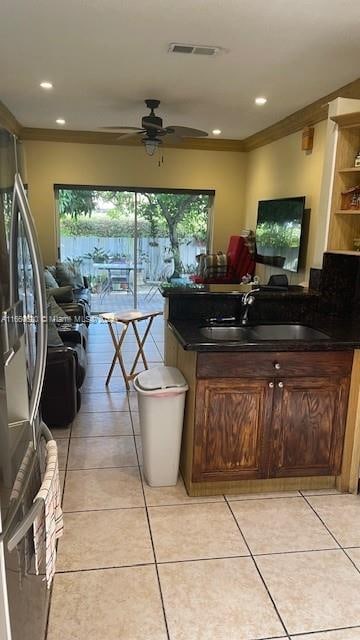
231,291
344,334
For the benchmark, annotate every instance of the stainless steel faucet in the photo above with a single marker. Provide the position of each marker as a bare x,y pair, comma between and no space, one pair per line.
248,299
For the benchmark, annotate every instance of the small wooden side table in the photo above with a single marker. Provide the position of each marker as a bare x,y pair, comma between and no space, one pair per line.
126,319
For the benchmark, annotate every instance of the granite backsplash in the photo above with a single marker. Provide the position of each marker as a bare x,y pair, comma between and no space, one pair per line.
268,307
340,284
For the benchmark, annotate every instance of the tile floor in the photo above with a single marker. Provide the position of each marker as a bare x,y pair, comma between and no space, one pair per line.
138,563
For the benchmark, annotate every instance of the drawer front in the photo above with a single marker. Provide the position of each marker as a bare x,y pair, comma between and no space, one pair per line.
274,364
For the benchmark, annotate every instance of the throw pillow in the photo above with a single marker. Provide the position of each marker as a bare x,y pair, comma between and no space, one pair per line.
62,294
68,274
215,265
50,282
53,338
55,313
52,269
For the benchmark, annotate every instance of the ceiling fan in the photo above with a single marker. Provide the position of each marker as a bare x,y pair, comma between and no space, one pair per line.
152,131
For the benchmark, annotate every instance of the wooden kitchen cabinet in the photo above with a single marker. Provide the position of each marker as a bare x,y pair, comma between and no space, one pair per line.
308,426
232,428
286,423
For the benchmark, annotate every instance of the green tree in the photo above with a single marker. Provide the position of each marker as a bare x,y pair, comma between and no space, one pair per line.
76,202
175,209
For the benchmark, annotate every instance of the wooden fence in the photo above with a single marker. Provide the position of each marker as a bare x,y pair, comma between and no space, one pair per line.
151,256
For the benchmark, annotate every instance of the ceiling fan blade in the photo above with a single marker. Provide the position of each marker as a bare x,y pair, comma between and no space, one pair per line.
186,132
152,125
124,129
133,134
172,138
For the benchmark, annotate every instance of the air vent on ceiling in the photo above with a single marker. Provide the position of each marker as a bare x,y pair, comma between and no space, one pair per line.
194,49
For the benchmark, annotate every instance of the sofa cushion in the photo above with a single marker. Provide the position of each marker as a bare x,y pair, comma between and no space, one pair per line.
81,362
68,274
50,282
55,313
78,311
62,294
74,332
53,338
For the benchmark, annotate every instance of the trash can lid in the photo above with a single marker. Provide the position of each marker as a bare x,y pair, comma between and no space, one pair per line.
160,377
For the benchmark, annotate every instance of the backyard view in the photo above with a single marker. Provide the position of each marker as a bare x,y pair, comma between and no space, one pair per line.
127,243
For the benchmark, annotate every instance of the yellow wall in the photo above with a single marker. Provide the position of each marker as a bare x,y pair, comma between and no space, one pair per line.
49,163
240,180
282,169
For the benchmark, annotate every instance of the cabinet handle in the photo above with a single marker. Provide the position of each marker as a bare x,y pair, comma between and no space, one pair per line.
280,385
277,365
271,385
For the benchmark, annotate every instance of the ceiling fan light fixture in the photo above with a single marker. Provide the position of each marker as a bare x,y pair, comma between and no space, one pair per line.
151,145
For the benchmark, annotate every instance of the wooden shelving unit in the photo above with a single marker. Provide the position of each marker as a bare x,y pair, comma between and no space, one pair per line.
347,212
345,223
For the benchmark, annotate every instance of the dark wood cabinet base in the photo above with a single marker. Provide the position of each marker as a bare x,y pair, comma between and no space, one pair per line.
277,428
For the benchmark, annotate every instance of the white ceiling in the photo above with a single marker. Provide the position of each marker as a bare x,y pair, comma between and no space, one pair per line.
105,56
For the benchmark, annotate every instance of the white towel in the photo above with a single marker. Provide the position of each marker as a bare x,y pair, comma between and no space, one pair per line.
48,526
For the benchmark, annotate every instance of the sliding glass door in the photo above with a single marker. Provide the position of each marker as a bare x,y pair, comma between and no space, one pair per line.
127,242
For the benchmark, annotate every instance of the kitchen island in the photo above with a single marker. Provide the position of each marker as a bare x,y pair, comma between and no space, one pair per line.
265,414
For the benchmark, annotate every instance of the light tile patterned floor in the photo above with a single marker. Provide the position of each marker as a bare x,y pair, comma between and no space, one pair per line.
142,563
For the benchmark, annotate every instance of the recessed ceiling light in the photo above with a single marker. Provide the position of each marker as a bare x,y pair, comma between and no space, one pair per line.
46,85
260,100
60,121
216,132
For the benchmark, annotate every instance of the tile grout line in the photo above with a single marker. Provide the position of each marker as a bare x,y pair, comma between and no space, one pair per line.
311,633
151,506
57,543
340,547
151,538
123,466
257,569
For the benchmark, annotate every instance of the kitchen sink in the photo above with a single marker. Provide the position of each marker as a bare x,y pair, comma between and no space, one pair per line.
255,333
226,333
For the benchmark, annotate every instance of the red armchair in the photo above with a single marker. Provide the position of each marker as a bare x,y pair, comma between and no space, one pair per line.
240,262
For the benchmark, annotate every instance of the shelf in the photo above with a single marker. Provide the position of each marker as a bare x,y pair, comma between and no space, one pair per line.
348,120
347,212
350,170
344,253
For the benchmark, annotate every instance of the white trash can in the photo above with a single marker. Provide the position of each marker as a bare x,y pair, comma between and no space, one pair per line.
161,398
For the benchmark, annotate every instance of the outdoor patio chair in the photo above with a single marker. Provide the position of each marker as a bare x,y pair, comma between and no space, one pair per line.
164,274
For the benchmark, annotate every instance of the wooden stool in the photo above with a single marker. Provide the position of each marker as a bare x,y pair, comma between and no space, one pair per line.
128,318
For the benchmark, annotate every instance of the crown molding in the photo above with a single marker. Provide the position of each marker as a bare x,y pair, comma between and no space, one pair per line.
9,121
101,137
308,116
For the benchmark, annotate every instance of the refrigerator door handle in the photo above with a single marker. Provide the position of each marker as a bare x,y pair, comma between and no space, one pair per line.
9,356
39,286
25,524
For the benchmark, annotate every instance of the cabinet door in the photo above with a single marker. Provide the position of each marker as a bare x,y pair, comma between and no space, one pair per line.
308,426
232,427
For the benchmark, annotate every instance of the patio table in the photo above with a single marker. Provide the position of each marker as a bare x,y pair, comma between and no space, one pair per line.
114,266
128,318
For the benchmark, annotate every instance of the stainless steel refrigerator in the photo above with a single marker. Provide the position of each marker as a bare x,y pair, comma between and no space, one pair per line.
23,595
